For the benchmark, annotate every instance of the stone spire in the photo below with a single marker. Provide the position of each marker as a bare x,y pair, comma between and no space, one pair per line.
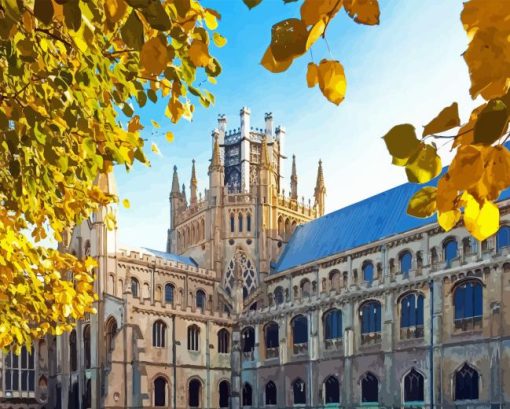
183,195
293,180
193,185
216,159
265,162
320,190
175,184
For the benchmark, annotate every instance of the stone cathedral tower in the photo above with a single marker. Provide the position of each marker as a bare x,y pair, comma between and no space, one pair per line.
245,214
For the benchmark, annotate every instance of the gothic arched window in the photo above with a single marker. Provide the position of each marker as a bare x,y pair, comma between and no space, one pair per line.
299,391
193,338
135,287
248,222
406,260
232,223
248,339
194,393
370,315
272,340
19,371
305,288
369,388
160,390
413,387
335,279
224,392
331,390
158,334
503,238
278,295
270,393
411,311
468,301
332,320
250,278
223,341
200,299
466,383
449,250
240,222
299,326
73,351
368,271
247,394
169,293
86,345
111,331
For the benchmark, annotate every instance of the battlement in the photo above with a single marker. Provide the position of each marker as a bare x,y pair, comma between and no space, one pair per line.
298,206
152,260
191,211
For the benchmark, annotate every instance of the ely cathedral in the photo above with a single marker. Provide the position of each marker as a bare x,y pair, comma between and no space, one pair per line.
261,300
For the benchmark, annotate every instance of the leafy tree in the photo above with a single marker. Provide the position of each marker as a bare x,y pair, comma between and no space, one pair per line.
68,68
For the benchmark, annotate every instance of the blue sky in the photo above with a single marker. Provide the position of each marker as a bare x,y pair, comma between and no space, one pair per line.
404,70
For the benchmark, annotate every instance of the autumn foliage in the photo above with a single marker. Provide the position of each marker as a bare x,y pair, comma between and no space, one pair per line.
480,169
71,72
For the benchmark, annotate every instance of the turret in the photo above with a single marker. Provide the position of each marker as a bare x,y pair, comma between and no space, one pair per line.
293,180
184,200
222,128
320,191
268,117
175,197
245,148
193,185
280,138
216,179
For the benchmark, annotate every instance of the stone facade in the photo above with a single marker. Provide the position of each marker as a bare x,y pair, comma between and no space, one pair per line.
212,322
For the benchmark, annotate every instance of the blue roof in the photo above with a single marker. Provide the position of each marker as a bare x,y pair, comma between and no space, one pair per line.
171,257
368,221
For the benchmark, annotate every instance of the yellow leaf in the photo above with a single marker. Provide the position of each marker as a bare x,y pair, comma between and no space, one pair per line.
90,263
449,219
114,10
447,194
134,124
447,119
312,75
314,10
210,20
491,123
316,31
219,40
155,124
126,203
497,170
174,110
363,11
288,39
424,165
481,221
332,80
252,3
270,64
488,54
155,149
466,168
169,136
154,56
423,202
110,221
402,143
199,54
